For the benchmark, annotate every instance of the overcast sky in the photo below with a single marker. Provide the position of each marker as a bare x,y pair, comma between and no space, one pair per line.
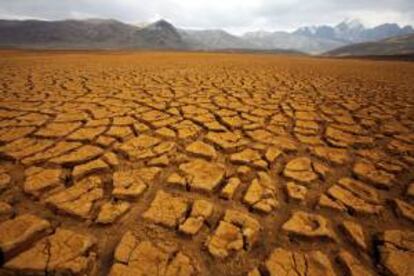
232,15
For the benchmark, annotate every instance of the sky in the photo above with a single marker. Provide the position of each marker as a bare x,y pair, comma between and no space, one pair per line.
235,16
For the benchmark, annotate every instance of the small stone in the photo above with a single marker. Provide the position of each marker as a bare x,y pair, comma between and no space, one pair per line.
111,211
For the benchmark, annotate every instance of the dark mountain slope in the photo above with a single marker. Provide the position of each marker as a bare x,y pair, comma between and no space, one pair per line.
400,45
88,34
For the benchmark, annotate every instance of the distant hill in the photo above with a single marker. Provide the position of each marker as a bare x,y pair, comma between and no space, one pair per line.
253,51
285,40
398,46
112,34
214,40
88,34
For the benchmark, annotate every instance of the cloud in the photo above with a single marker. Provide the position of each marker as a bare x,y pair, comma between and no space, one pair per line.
233,15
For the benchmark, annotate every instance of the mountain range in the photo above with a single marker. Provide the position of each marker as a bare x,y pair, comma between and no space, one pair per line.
112,34
319,39
397,45
352,31
86,34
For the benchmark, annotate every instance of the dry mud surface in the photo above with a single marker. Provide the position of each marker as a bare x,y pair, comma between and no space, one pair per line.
205,164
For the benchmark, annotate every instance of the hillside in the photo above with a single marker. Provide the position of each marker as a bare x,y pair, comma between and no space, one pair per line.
400,45
88,34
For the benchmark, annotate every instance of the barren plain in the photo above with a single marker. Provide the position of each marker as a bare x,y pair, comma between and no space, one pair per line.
158,163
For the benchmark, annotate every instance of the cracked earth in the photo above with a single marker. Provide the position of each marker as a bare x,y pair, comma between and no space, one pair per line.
205,164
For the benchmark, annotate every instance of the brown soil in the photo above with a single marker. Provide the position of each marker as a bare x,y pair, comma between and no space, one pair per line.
157,163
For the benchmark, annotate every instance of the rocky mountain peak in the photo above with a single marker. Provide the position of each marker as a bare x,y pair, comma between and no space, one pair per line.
350,24
161,24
